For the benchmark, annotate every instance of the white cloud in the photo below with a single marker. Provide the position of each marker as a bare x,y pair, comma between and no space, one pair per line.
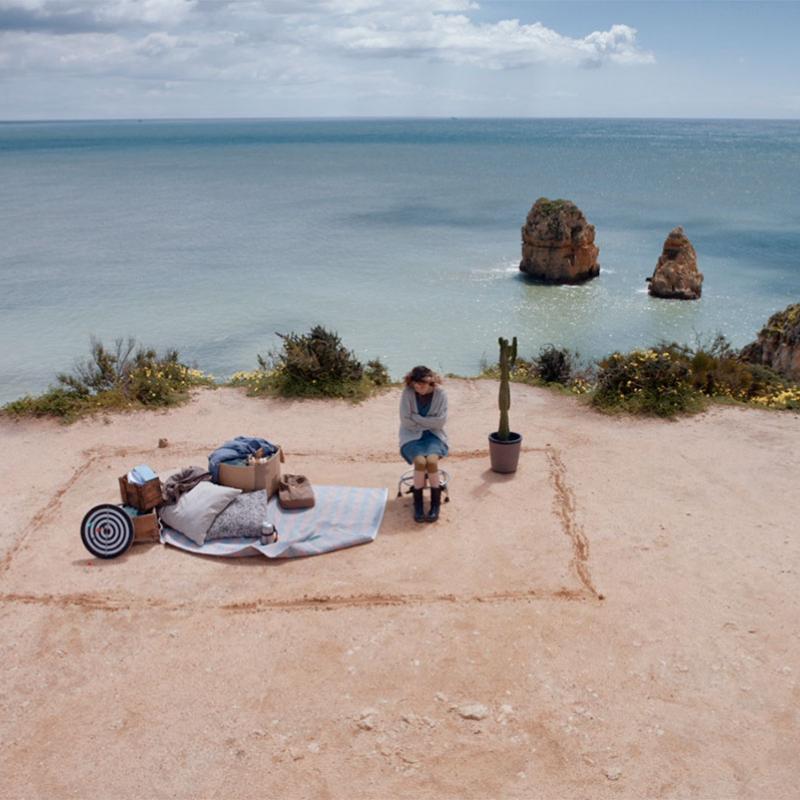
617,45
149,12
157,44
429,29
202,56
407,7
505,44
351,48
67,16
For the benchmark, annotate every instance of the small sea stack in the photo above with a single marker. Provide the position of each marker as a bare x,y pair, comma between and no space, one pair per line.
778,343
676,276
558,243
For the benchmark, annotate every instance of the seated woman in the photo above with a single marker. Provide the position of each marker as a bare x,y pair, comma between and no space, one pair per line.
423,441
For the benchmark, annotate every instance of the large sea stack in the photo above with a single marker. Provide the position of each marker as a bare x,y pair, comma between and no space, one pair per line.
778,343
676,276
558,243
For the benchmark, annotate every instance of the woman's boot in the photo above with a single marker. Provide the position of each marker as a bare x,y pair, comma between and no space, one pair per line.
419,510
436,501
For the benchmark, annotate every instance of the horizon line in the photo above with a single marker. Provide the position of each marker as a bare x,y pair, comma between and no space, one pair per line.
376,118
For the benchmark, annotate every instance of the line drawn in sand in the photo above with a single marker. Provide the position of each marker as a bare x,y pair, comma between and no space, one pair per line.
564,508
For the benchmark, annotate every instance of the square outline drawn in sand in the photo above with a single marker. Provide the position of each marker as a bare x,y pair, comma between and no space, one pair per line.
324,587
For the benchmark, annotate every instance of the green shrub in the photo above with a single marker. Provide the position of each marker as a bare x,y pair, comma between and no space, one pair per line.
112,379
646,382
104,370
163,381
316,364
555,365
555,368
521,372
717,370
664,380
673,378
257,382
55,402
766,381
318,356
376,373
787,398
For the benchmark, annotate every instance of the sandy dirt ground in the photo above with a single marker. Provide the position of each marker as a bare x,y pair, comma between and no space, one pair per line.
617,620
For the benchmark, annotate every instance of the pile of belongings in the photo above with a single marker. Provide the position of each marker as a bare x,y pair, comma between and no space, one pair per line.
140,489
199,505
242,505
242,450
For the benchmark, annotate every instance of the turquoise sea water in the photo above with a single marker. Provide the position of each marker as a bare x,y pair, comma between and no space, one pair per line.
403,235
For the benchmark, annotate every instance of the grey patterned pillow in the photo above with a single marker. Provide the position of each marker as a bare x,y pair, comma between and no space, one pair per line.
194,512
243,517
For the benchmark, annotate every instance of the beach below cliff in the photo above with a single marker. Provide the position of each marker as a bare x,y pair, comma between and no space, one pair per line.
618,619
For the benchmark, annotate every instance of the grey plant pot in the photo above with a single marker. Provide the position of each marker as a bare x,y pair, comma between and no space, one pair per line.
505,455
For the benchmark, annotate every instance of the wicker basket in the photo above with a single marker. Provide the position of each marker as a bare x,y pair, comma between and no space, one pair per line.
143,498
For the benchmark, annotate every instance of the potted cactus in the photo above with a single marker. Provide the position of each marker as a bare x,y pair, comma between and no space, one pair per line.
504,444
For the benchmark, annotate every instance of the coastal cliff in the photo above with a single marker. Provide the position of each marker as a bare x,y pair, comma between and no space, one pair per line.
558,243
511,624
778,343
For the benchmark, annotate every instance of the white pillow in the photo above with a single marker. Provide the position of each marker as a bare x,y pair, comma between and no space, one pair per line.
194,512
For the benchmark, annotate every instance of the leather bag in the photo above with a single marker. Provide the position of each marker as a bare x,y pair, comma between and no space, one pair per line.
294,491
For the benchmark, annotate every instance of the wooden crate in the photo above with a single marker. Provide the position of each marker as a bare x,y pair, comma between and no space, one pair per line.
143,498
145,528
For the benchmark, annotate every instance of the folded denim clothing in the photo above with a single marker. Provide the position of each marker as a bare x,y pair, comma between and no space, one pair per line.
240,447
244,517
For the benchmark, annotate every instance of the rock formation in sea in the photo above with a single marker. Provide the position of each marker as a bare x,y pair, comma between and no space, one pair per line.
676,275
778,343
558,243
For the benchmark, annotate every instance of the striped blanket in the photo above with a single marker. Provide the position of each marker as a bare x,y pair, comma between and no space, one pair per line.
342,516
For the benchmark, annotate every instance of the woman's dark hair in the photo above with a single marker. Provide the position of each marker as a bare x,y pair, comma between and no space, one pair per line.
420,373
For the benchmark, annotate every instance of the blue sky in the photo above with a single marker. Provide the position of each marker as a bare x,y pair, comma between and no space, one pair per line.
69,59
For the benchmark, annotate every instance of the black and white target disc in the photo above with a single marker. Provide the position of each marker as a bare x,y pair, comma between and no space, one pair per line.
107,531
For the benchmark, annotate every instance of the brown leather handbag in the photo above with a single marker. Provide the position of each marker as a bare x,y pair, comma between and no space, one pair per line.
294,491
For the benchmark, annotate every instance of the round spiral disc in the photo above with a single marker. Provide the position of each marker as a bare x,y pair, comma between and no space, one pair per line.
107,531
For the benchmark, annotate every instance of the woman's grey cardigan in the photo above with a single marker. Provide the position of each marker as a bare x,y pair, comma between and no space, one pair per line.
413,424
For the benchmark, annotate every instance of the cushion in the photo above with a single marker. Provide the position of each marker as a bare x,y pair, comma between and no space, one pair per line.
194,512
243,517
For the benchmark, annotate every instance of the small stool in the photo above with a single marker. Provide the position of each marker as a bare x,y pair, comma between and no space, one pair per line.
407,480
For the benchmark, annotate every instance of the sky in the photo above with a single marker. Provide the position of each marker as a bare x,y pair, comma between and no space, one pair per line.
84,59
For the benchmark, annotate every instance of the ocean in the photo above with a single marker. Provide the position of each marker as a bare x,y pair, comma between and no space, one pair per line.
402,235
